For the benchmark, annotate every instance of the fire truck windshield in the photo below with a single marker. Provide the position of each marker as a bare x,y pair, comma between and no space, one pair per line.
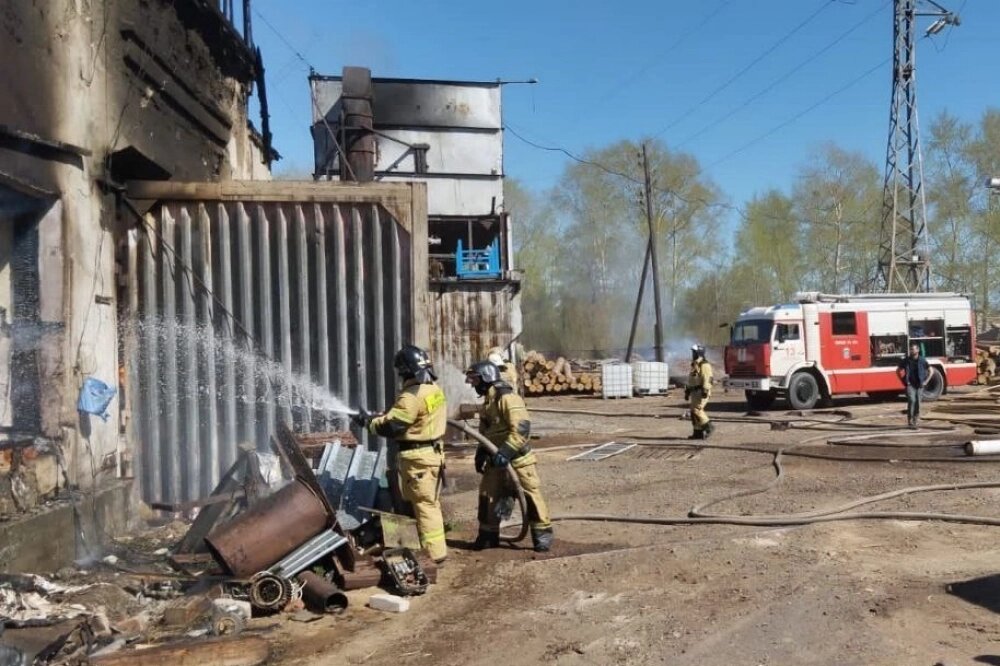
752,331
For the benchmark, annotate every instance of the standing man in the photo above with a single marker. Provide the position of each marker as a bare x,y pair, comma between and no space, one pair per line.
417,422
915,373
504,421
698,391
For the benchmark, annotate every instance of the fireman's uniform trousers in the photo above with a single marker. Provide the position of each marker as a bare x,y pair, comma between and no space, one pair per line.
417,423
420,480
496,484
699,400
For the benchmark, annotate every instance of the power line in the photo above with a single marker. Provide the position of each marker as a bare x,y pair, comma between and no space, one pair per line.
613,172
800,114
662,54
282,38
768,51
774,84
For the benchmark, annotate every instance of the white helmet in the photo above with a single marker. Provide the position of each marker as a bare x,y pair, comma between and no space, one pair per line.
496,358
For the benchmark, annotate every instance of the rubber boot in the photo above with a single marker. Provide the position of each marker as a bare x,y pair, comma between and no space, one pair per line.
486,540
542,540
697,434
708,430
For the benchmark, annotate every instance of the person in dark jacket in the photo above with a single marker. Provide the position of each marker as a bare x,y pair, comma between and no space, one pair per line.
915,373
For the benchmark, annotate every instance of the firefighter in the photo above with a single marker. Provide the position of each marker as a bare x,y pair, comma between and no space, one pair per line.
504,421
698,391
417,422
507,371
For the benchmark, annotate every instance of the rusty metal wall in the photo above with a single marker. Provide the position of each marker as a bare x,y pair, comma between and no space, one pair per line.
250,312
466,319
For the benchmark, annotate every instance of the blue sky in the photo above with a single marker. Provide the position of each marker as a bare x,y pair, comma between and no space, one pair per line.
613,70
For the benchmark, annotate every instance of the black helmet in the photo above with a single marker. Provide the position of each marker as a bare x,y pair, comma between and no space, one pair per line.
487,373
697,351
413,362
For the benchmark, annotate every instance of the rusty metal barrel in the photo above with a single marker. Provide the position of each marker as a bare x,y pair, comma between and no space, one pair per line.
269,530
320,595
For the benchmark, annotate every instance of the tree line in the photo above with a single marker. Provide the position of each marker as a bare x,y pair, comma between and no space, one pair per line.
581,244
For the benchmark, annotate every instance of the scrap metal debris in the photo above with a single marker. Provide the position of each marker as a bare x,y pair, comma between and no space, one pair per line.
281,532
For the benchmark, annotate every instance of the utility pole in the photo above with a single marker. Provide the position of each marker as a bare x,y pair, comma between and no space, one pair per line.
658,330
638,304
904,252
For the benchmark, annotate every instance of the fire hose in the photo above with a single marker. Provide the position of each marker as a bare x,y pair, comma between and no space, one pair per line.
698,515
492,450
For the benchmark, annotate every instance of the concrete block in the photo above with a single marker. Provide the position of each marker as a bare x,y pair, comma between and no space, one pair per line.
389,602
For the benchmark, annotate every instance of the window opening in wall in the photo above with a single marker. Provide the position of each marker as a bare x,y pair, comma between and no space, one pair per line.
466,248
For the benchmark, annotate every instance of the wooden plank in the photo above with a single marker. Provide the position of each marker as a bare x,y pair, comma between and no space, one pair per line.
241,651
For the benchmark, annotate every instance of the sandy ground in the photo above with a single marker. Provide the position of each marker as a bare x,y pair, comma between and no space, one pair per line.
859,592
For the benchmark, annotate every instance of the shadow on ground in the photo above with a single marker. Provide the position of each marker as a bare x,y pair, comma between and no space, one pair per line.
983,591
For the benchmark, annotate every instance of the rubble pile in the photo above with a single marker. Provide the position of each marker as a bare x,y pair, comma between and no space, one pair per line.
287,532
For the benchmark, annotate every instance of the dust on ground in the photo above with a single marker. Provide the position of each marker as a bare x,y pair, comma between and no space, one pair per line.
859,592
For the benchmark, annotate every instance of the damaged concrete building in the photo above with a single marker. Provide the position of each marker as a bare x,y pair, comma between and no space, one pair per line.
449,135
96,94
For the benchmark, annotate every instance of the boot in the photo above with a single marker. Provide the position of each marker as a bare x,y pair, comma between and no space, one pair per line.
542,540
709,429
697,434
486,540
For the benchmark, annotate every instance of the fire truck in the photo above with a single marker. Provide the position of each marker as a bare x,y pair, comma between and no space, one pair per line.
825,345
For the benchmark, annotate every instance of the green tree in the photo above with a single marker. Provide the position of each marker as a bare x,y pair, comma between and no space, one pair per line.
838,197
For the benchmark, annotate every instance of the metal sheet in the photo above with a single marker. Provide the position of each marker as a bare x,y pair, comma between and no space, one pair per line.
459,196
451,152
350,478
416,103
234,326
603,451
466,320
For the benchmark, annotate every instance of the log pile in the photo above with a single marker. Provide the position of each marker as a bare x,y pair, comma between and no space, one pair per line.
540,376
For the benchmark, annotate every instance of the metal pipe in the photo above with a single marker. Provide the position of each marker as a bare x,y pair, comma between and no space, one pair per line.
320,595
983,447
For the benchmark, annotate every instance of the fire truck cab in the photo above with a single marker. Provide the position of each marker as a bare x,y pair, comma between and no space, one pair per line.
826,345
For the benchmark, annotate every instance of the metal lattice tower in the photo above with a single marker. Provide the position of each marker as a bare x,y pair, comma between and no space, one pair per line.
904,251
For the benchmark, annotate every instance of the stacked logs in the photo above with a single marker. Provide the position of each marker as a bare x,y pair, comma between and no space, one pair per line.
540,375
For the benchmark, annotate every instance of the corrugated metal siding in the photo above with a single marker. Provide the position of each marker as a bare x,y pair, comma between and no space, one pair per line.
226,290
466,319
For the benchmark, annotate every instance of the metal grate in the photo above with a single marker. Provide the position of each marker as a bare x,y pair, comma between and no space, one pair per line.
603,451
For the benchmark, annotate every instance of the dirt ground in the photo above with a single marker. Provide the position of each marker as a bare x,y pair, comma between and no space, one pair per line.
858,592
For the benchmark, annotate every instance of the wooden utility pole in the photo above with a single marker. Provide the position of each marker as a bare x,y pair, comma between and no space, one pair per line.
658,330
638,305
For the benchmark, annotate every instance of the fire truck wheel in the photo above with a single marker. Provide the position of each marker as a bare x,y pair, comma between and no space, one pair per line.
803,391
759,399
935,386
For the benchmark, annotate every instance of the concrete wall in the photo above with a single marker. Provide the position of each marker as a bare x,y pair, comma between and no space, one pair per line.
98,92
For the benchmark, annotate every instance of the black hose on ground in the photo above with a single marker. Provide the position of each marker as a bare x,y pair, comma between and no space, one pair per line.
522,503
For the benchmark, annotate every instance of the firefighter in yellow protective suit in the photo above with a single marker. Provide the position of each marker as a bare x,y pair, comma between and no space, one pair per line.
698,391
504,421
417,421
507,371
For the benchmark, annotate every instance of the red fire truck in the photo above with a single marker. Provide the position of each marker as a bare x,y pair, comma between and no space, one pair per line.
825,345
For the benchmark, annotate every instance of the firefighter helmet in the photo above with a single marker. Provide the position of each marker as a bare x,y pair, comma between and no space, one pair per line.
413,362
486,372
